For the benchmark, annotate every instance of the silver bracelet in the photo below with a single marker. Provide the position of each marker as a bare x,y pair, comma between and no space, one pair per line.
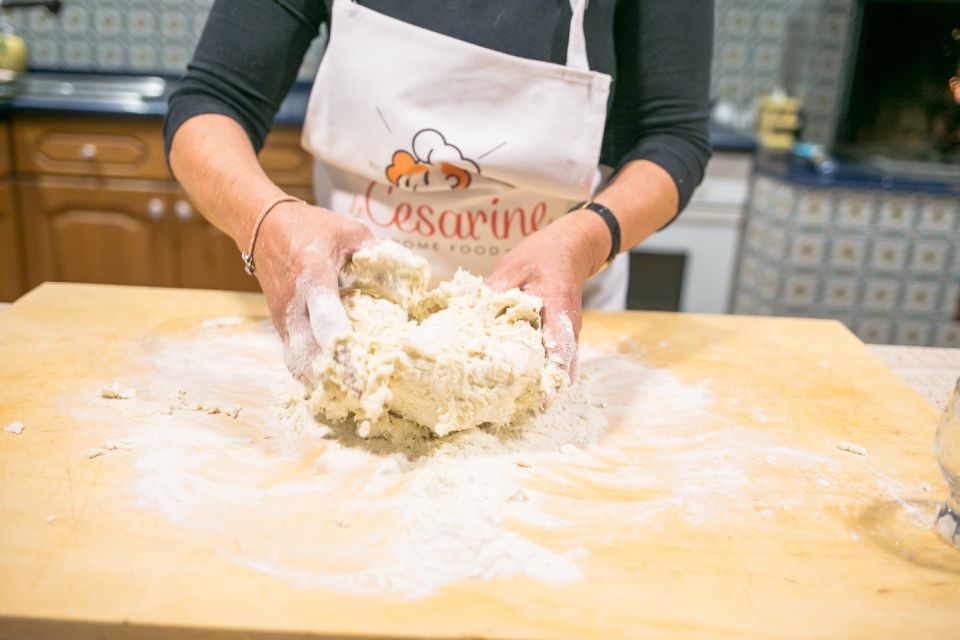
248,265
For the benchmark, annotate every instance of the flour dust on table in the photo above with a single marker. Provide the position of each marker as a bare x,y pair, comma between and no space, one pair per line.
268,486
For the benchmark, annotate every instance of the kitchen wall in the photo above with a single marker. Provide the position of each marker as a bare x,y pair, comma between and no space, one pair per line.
121,36
885,264
760,45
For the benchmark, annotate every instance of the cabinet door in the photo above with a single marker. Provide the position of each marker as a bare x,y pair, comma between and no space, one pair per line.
11,268
90,146
207,258
6,151
91,230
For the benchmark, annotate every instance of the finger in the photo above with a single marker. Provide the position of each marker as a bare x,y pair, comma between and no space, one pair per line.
561,324
505,277
299,345
326,313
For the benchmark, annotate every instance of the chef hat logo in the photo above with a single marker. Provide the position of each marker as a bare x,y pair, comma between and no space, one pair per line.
431,150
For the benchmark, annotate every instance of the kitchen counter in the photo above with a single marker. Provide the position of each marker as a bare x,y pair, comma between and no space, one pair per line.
291,112
209,494
931,372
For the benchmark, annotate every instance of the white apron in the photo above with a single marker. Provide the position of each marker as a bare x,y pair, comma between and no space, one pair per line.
452,149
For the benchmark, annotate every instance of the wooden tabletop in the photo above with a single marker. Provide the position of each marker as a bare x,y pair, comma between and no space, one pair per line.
724,493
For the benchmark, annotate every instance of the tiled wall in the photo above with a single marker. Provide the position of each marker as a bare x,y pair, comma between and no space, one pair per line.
760,45
800,46
121,36
887,265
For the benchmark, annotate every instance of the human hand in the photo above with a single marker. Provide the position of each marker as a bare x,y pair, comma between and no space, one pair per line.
300,252
554,263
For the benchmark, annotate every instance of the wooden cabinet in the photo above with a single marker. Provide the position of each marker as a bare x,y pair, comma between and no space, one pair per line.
89,230
208,258
98,205
11,256
90,146
6,151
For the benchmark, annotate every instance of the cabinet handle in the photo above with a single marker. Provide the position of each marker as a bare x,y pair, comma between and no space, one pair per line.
184,210
156,208
88,151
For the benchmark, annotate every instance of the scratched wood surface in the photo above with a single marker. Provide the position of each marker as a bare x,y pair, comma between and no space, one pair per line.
856,561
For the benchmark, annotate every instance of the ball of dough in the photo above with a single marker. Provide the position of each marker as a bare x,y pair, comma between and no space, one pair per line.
456,357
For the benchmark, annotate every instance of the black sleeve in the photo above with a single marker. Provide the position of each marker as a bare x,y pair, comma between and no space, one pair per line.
245,63
661,102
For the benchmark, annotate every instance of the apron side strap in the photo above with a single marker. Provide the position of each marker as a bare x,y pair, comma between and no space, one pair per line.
577,41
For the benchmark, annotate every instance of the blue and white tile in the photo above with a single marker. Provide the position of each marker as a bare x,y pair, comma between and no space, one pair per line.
108,21
880,294
110,56
855,210
807,249
874,330
75,20
813,208
848,252
896,212
78,55
141,23
888,254
920,297
800,289
917,333
840,292
929,256
938,215
948,335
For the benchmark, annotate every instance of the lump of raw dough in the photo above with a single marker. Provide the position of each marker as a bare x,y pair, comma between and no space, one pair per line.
456,357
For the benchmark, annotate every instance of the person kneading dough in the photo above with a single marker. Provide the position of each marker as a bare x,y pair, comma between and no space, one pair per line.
529,143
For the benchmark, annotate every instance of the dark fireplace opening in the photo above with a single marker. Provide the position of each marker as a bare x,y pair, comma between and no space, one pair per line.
901,109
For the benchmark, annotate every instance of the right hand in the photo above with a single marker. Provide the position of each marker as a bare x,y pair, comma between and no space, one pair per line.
300,252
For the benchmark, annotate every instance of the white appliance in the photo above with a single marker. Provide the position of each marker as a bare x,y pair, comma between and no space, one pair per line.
708,233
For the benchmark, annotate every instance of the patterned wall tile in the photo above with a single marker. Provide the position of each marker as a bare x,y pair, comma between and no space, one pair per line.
929,256
887,265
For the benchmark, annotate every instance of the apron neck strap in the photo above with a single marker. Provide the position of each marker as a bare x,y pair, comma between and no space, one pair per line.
577,42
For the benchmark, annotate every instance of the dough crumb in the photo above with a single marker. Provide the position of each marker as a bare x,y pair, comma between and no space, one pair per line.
14,427
524,462
852,448
95,452
343,523
50,519
116,392
519,496
224,321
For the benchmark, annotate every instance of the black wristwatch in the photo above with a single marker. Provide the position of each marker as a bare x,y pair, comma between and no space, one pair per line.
608,218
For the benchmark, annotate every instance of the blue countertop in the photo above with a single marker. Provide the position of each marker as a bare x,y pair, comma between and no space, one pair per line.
291,111
848,174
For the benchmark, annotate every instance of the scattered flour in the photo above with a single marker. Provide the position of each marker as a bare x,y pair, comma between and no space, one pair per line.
14,427
625,444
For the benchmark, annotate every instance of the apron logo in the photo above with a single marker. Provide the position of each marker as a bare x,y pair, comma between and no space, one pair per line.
434,165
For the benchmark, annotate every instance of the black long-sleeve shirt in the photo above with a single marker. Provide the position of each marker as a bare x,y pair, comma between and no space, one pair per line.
657,51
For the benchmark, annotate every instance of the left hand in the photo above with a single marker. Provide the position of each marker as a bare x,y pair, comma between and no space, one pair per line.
554,263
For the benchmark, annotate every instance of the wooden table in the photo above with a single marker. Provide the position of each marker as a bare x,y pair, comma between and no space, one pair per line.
715,504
